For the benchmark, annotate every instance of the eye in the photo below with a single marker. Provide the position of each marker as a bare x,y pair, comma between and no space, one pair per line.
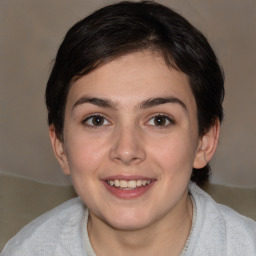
160,120
96,120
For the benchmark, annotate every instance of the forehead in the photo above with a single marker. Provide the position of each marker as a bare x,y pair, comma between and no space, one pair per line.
133,78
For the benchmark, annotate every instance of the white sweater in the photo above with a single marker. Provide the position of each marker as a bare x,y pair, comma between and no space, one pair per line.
217,231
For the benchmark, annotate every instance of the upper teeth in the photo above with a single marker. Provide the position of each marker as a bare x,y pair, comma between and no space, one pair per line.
131,184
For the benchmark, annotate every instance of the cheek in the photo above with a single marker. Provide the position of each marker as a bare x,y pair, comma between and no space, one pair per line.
174,154
84,155
84,159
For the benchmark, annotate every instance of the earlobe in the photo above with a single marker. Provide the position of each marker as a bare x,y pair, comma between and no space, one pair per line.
58,148
207,146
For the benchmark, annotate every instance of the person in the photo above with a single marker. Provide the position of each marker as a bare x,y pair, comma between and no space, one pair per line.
134,105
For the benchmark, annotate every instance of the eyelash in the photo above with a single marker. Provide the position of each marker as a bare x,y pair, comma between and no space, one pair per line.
166,119
93,126
88,121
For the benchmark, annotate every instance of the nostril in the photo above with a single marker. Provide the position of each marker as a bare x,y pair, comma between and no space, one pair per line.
128,157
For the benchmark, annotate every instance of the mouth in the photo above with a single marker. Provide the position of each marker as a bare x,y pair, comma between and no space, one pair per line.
128,185
128,188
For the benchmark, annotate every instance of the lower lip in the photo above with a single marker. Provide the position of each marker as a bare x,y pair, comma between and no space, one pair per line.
128,194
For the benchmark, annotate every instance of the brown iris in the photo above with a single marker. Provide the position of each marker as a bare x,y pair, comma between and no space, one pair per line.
160,120
97,120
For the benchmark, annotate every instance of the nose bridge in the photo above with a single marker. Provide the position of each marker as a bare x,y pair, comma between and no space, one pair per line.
127,144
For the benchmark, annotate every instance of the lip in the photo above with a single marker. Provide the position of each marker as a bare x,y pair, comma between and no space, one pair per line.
127,178
128,194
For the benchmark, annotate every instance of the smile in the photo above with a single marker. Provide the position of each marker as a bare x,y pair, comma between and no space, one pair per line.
128,185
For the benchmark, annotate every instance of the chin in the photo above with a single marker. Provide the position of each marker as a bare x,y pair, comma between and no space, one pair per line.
129,220
129,225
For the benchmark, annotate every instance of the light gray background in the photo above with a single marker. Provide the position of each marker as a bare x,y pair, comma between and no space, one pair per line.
30,33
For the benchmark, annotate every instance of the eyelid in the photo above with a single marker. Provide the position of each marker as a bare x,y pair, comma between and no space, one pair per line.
90,116
167,117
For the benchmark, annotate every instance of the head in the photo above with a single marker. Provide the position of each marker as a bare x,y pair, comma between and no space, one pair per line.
129,27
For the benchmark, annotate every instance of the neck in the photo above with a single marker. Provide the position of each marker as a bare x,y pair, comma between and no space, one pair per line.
169,234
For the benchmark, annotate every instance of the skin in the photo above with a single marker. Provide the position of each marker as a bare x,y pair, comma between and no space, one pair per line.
128,142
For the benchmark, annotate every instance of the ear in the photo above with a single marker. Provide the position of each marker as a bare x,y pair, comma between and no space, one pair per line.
207,146
58,148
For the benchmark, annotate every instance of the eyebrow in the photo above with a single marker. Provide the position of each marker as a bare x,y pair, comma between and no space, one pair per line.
96,101
107,103
159,101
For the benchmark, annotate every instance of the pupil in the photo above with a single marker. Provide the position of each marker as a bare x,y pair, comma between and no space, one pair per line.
97,120
159,120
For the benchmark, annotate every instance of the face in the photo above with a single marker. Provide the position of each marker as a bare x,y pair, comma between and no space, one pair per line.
130,140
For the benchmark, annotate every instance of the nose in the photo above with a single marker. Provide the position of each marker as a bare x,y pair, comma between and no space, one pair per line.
127,146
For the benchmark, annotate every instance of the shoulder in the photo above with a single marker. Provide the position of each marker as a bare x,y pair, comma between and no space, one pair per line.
42,236
219,227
